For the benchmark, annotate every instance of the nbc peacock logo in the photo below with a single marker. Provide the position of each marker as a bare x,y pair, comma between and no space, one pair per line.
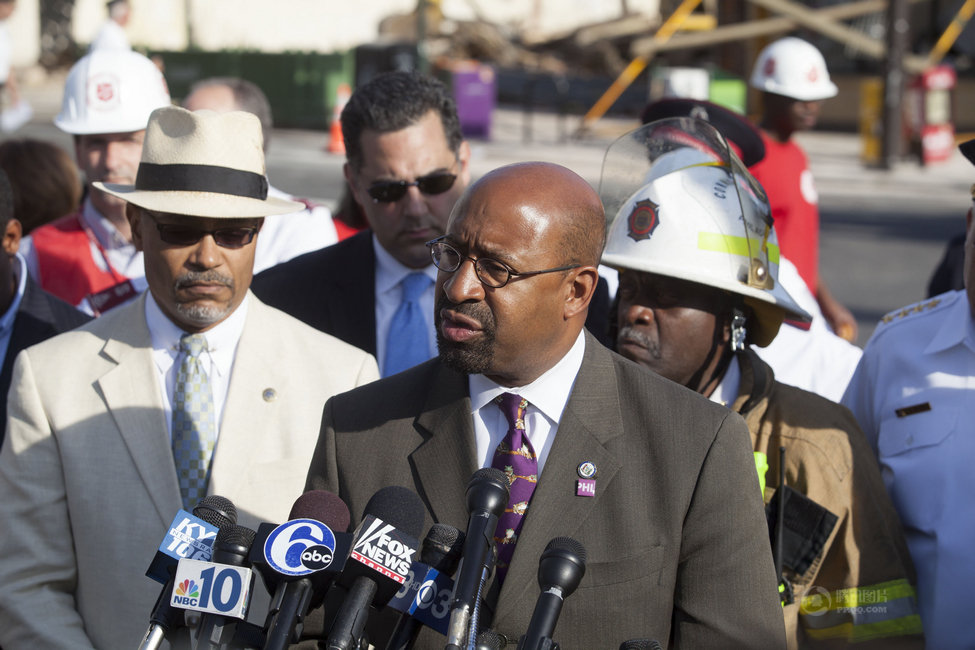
186,593
188,588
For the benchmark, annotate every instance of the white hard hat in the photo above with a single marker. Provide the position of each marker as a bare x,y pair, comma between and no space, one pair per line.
111,92
698,216
794,68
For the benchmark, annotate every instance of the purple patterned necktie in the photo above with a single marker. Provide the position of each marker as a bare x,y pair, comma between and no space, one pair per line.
516,458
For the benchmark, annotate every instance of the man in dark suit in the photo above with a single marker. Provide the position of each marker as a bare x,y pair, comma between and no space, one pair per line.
407,163
28,314
671,515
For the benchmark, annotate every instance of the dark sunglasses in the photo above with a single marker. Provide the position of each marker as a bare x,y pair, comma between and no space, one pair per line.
179,234
392,191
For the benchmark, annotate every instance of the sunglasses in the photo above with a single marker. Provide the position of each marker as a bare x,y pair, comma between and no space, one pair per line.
393,191
179,234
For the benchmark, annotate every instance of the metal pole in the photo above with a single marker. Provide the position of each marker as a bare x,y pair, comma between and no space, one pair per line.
898,27
422,59
951,34
188,9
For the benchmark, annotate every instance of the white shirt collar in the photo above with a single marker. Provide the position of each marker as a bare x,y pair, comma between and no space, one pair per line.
389,271
104,230
222,339
20,273
726,392
549,393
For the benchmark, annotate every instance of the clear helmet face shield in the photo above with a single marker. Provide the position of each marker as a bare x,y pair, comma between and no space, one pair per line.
680,203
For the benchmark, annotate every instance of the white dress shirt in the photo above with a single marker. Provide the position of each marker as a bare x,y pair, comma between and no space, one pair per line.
284,236
914,397
726,392
218,359
816,359
389,295
547,397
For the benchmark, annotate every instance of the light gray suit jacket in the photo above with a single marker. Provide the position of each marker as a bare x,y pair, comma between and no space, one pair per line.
87,480
676,536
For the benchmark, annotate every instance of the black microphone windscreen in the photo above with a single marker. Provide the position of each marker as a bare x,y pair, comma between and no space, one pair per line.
489,474
442,547
568,544
488,489
399,507
216,510
640,644
490,640
235,536
322,506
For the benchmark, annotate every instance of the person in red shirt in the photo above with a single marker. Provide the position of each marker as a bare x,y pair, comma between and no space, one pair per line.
794,81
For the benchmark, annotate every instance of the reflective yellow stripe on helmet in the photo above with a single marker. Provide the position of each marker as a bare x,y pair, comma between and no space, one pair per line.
718,243
879,611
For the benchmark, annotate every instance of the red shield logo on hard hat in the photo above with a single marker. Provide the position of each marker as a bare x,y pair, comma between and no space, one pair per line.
813,74
769,67
643,220
104,91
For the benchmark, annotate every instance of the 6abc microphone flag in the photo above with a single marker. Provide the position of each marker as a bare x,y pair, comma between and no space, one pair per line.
207,565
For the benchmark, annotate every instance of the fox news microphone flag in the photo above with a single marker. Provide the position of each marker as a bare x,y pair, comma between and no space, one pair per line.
384,546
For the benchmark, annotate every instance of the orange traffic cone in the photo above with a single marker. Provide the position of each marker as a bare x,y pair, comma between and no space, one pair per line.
335,142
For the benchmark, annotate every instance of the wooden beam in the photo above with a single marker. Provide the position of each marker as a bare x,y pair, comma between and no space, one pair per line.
647,47
837,31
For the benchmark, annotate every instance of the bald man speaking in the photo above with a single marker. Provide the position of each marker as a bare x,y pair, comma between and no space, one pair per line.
656,482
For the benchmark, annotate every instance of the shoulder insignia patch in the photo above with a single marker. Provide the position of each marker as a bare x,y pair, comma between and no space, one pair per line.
916,308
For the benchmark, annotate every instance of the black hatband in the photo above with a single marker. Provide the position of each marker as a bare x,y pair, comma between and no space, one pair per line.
200,178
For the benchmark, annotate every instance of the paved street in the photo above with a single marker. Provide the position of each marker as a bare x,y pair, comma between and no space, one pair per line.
883,232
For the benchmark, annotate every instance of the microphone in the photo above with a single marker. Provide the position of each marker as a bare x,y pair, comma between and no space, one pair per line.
490,640
298,560
189,536
383,547
487,496
440,552
220,588
641,644
560,570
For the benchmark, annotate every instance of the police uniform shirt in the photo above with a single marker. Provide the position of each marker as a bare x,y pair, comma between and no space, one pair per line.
914,396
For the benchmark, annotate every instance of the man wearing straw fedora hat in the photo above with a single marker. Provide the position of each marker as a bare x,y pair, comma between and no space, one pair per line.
195,388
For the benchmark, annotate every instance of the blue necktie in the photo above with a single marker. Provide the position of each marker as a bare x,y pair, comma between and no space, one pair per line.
194,421
408,341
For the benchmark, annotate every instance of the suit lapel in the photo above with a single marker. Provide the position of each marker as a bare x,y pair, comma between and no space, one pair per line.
254,370
591,419
445,461
131,393
352,303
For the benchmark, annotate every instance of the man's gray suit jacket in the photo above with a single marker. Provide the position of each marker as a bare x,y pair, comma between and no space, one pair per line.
87,475
676,536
